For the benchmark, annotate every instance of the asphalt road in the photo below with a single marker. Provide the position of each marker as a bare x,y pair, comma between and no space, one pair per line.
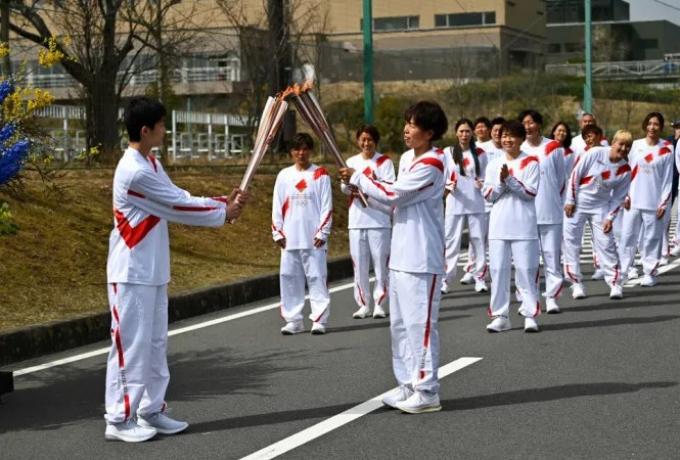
601,380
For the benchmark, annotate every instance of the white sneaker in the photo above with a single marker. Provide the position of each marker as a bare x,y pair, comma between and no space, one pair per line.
616,292
499,324
675,252
551,306
361,313
663,261
318,329
162,423
632,273
467,278
598,275
530,325
378,312
648,281
480,286
399,394
445,287
128,431
293,327
419,403
578,291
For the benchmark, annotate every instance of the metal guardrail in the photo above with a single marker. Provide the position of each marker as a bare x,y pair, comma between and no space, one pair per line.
622,70
144,78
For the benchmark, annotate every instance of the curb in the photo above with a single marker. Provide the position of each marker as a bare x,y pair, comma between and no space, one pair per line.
34,341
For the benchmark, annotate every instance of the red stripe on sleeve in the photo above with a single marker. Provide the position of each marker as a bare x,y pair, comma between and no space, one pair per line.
623,169
382,160
551,147
527,161
194,208
320,172
137,194
429,161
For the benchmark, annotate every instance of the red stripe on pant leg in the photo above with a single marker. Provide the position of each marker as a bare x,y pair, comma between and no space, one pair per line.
119,348
489,313
126,399
319,317
422,374
426,341
616,274
538,309
361,295
115,288
559,291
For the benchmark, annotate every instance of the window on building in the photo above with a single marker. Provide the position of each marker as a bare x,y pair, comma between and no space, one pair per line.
554,48
573,47
394,23
465,19
650,43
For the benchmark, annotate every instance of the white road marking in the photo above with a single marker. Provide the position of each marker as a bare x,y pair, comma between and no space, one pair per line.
182,330
343,418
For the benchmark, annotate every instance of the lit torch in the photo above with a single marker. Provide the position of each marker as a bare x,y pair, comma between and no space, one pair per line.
309,109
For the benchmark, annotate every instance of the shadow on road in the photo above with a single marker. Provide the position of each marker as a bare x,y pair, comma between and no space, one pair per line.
555,393
68,395
609,322
384,324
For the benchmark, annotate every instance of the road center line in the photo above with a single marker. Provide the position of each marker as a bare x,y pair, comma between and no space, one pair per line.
181,330
343,418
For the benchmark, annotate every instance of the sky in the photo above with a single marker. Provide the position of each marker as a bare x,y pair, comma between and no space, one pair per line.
641,10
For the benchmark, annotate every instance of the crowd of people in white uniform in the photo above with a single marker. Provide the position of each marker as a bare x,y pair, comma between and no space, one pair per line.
524,198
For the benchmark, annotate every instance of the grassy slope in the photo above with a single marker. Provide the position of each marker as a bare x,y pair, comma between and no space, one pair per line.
55,266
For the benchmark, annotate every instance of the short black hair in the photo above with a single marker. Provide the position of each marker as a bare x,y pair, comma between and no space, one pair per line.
651,115
142,111
594,129
497,121
371,131
301,140
515,128
428,116
484,120
568,139
537,117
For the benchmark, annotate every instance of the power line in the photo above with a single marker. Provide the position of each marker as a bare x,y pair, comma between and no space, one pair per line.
660,2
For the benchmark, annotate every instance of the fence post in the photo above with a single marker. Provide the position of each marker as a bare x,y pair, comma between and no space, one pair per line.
174,136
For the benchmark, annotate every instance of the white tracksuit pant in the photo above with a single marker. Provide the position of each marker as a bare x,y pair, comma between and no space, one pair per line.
137,373
366,246
550,239
604,246
666,236
414,313
636,221
524,255
453,227
298,265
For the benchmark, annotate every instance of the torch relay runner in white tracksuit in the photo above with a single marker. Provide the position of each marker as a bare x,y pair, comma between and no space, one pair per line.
138,271
649,196
511,185
549,202
416,262
302,211
595,193
369,236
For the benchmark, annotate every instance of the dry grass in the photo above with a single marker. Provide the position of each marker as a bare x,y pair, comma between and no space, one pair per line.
55,267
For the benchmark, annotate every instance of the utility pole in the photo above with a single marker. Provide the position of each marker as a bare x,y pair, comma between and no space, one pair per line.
368,61
280,76
588,88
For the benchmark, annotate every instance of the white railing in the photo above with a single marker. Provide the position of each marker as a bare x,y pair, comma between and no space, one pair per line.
144,78
622,69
